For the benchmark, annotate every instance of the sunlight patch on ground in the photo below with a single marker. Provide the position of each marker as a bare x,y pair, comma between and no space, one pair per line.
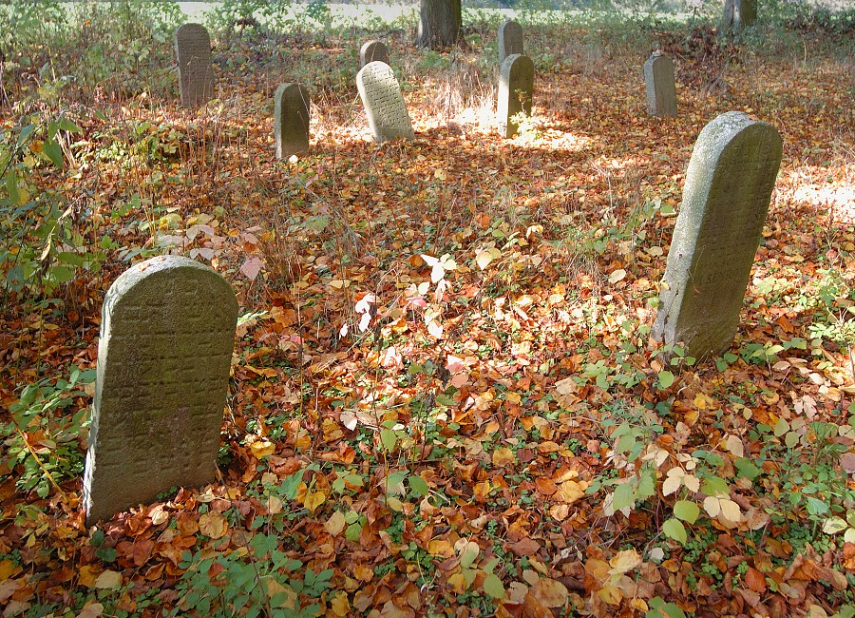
839,200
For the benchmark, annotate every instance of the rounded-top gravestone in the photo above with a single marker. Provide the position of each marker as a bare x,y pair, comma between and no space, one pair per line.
195,67
510,40
373,51
725,200
164,355
384,103
516,91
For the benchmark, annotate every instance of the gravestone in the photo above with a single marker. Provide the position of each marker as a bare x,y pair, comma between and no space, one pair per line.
373,51
167,333
195,70
510,40
291,120
725,199
516,89
659,82
384,103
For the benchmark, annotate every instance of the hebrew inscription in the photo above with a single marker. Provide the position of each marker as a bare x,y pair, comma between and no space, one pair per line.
725,200
384,103
167,333
195,69
516,89
291,120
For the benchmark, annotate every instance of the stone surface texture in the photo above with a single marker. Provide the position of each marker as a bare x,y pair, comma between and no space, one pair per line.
384,103
510,40
195,68
725,200
291,120
516,91
373,51
659,83
167,334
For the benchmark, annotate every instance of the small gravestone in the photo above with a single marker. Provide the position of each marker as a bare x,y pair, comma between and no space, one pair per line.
725,199
384,103
195,69
516,89
510,40
739,14
167,333
659,82
373,51
291,120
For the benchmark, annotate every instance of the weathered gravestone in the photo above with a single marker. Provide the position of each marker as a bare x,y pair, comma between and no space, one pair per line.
291,120
659,82
167,333
739,14
195,70
510,40
516,89
384,103
373,51
725,199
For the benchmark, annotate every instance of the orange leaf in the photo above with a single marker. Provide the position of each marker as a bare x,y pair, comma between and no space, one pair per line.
550,592
213,525
755,581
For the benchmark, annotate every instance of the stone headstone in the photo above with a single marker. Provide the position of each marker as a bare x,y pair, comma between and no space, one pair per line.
510,40
373,51
659,82
291,120
384,103
195,69
739,14
516,89
167,333
725,199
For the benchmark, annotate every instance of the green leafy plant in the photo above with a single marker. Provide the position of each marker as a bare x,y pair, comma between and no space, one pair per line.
41,439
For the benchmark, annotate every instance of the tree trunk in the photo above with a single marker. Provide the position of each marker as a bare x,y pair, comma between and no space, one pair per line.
439,23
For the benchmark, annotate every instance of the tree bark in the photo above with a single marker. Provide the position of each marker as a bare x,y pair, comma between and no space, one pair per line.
439,23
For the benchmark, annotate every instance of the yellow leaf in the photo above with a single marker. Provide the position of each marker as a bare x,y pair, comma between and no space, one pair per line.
549,592
314,500
262,448
92,610
457,583
340,604
440,174
440,547
617,275
274,505
734,445
335,524
624,562
213,525
570,491
503,457
7,567
711,506
610,594
730,510
109,580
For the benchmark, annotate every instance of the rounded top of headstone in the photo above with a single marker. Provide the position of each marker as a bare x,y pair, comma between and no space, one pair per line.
721,131
516,59
174,267
192,31
376,67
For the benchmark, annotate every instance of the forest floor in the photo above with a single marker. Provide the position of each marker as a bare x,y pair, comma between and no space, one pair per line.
444,400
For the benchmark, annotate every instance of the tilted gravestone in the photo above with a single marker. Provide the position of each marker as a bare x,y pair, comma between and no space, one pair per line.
510,40
373,51
739,14
725,199
516,89
195,69
291,120
659,82
167,333
384,103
